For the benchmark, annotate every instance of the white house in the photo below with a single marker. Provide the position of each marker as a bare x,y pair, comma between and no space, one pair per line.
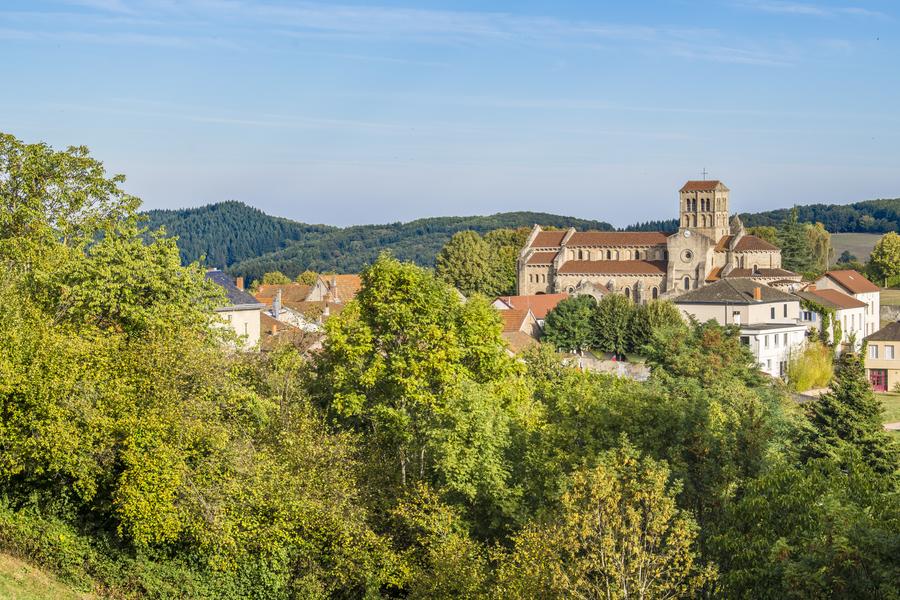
848,311
769,319
241,312
854,284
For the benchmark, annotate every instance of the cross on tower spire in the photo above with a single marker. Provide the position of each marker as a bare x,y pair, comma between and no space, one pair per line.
704,173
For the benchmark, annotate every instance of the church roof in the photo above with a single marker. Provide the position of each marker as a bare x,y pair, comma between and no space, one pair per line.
782,273
747,243
613,267
541,258
703,186
553,239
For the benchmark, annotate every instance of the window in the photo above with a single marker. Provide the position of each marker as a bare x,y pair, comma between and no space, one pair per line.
654,293
889,353
765,341
628,293
775,340
608,255
687,283
873,351
772,312
579,255
853,321
736,317
769,364
745,339
785,310
785,340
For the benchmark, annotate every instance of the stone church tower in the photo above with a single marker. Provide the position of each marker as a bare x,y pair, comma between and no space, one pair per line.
704,209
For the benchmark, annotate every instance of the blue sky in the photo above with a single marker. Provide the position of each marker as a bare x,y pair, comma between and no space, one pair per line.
372,112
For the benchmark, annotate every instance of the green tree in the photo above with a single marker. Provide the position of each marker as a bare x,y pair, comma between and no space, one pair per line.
810,368
619,534
465,263
275,278
884,263
505,245
820,246
307,277
569,326
647,318
850,414
794,241
765,232
611,324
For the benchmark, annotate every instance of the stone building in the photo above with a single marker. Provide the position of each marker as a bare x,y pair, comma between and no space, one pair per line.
647,265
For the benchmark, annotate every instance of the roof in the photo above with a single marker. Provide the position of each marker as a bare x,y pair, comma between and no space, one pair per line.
541,258
613,267
833,299
714,274
733,291
518,341
343,287
747,243
539,304
553,239
888,333
290,292
702,186
513,319
761,273
548,239
237,298
853,281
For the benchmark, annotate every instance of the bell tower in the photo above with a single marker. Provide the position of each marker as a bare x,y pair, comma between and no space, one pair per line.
704,208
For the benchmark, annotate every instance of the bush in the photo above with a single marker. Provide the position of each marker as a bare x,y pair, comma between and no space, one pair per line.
811,368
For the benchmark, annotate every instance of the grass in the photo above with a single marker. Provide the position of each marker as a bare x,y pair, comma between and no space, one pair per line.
890,297
22,581
859,244
891,403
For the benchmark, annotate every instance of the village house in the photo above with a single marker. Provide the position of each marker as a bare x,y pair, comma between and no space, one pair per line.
241,312
845,309
855,284
337,289
539,304
520,329
883,358
648,265
769,319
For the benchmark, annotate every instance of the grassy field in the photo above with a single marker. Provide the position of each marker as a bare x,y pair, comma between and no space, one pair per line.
891,403
890,297
859,244
21,581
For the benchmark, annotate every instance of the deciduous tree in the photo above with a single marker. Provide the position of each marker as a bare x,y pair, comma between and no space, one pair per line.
569,326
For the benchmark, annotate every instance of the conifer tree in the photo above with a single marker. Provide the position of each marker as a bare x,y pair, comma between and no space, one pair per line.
796,254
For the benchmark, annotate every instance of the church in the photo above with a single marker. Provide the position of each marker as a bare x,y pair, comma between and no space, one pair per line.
648,265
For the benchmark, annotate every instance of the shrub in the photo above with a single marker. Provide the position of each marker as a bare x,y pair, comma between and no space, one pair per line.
811,368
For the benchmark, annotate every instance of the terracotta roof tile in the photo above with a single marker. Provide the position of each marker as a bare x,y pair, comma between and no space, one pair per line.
714,274
761,273
541,258
548,239
853,281
751,242
290,292
832,298
539,304
617,238
513,319
702,186
614,267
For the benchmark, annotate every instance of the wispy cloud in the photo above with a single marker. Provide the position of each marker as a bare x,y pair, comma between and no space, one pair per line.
806,9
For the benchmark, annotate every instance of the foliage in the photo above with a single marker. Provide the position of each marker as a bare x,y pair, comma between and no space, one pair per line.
647,318
505,246
794,241
870,216
619,534
820,246
765,232
307,278
465,263
611,321
569,326
850,415
811,368
275,278
884,263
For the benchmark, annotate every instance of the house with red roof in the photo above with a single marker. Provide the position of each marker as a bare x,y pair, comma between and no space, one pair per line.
853,283
539,304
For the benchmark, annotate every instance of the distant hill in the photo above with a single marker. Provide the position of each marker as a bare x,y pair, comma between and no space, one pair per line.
229,232
249,242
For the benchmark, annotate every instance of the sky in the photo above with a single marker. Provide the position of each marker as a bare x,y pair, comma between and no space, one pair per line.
372,112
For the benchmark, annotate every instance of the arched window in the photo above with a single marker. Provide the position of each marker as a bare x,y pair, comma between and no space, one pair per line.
687,283
654,293
628,293
665,255
637,254
609,255
694,219
579,255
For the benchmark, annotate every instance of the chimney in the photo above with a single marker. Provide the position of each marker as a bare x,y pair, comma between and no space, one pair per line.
239,282
274,328
276,304
757,294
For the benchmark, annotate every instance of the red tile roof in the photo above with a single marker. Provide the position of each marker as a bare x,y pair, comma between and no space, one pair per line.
548,239
782,273
835,298
553,239
513,319
290,292
714,274
701,186
541,258
853,281
540,304
747,243
614,267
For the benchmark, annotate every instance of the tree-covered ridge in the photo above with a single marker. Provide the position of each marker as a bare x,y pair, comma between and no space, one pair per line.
229,232
870,216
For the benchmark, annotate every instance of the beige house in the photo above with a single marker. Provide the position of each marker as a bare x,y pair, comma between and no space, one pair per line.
769,319
241,312
338,289
883,358
855,284
647,265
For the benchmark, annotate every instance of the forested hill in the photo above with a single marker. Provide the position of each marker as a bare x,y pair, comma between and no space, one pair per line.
229,232
350,249
870,216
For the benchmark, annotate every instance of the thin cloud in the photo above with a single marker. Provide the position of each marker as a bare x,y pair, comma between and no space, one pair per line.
807,9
